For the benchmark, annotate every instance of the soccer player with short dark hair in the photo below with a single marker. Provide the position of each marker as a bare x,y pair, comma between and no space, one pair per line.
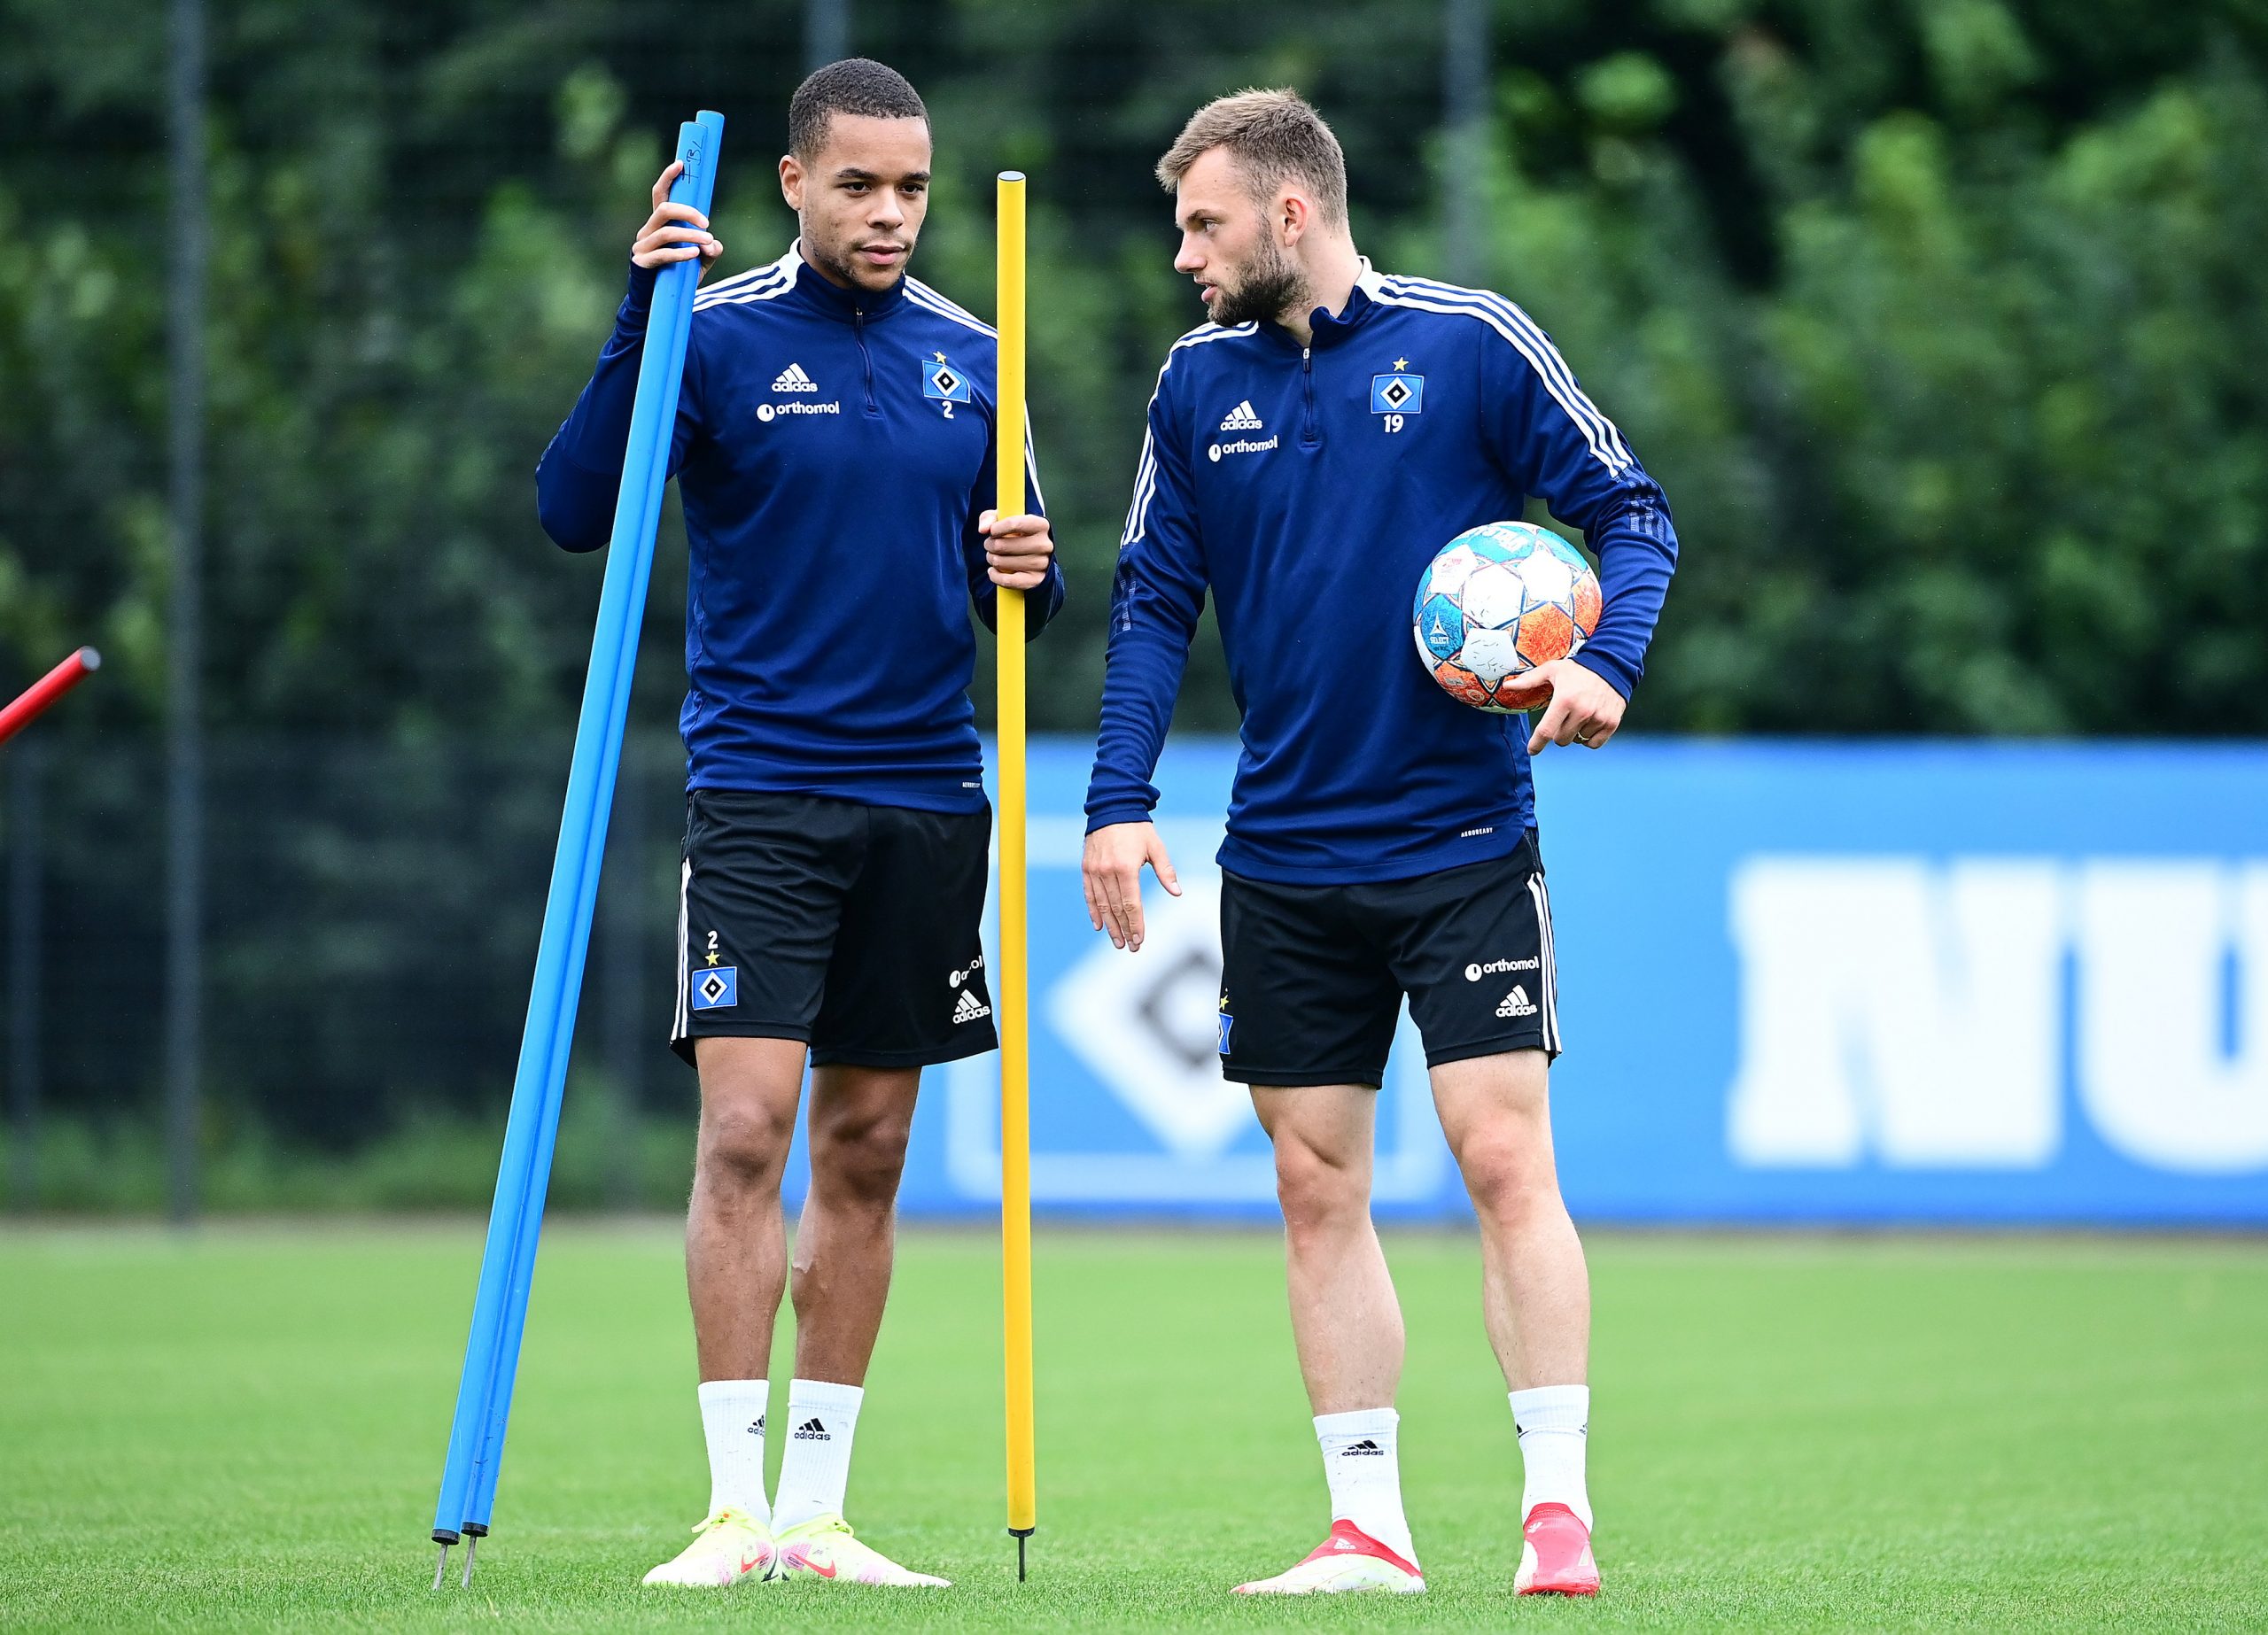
834,451
1382,839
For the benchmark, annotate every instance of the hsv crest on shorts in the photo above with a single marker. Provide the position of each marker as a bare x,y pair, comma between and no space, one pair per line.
715,988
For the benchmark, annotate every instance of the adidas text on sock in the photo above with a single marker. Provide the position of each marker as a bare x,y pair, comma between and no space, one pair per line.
1362,1459
815,1465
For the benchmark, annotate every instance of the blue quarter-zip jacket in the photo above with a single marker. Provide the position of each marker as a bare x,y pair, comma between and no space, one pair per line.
833,449
1308,489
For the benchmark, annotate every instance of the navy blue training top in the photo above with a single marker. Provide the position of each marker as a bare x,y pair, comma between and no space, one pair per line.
833,449
1308,489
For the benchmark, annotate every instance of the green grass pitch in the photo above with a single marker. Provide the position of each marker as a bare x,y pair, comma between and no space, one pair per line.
243,1428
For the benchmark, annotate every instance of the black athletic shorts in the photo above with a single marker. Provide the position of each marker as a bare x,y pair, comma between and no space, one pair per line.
854,928
1312,977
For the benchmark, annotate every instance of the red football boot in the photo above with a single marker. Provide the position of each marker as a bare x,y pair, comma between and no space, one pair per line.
1555,1554
1350,1559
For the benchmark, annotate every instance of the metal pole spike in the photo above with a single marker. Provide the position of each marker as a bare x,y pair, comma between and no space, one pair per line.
1020,1534
441,1567
470,1544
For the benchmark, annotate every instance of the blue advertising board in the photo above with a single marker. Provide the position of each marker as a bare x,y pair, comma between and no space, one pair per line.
1798,982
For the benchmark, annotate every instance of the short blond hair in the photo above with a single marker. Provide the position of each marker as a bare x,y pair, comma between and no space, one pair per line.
1274,136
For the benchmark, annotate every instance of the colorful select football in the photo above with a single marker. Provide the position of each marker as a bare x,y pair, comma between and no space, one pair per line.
1500,599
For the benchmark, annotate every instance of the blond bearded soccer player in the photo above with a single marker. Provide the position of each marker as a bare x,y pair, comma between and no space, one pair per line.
835,451
1310,449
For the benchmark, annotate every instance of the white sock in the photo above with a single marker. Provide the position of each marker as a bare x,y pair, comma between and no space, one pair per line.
816,1467
732,1421
1554,1422
1362,1459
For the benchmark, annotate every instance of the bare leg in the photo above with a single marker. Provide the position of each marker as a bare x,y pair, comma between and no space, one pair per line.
860,1118
1344,1319
736,1246
1535,1290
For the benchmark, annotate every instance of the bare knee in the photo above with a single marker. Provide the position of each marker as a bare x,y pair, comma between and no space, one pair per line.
1322,1193
743,1144
1509,1173
748,1091
859,1155
748,1118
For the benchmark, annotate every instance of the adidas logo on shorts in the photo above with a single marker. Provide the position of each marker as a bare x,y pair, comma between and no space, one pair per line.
969,1007
1241,418
1517,1002
793,379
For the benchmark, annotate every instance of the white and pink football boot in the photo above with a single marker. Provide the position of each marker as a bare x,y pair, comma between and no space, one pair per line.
1349,1560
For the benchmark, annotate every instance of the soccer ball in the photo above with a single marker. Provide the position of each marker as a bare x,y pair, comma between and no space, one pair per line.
1500,599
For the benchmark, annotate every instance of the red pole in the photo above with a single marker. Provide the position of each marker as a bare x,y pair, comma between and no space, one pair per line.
46,690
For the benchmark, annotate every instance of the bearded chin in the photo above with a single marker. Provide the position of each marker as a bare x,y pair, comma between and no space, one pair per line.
1264,294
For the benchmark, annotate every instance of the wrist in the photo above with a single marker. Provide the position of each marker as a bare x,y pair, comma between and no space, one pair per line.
638,300
1108,817
1621,676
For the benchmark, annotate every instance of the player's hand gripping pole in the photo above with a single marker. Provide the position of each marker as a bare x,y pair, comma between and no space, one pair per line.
516,1220
35,699
1012,993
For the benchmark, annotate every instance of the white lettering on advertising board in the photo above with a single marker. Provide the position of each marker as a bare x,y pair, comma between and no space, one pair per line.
2173,973
1913,1013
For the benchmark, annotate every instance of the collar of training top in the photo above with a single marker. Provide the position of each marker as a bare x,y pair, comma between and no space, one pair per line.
836,302
1329,328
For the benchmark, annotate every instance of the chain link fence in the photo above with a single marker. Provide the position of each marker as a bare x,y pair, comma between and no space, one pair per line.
371,919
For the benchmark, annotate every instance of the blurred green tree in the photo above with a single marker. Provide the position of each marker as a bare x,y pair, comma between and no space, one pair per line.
1934,318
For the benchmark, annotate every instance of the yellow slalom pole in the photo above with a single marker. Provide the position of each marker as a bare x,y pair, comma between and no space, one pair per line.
1010,993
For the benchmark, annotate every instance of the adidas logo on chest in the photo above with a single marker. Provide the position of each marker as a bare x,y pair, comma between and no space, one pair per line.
793,379
1244,417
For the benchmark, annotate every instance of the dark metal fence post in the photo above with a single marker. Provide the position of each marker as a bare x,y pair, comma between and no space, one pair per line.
1464,139
826,32
184,720
24,882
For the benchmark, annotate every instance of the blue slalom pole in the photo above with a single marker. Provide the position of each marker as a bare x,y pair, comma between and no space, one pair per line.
677,315
515,1220
493,1349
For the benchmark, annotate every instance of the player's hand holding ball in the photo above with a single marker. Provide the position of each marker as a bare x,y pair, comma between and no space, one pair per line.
1584,708
1500,614
1018,549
